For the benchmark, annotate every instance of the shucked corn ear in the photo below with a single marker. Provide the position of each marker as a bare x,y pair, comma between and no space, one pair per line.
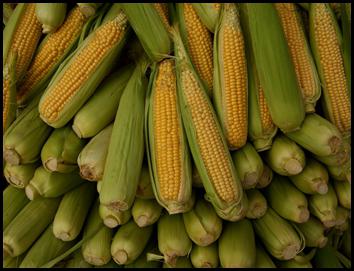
205,257
300,52
275,68
257,204
50,15
170,170
119,181
150,28
343,191
208,13
230,91
325,36
314,232
14,199
209,149
75,83
9,105
19,175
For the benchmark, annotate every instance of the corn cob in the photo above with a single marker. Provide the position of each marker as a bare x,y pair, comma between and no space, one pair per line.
51,184
257,204
129,242
343,191
101,108
19,176
300,52
68,221
347,42
141,261
202,224
208,13
13,262
198,43
147,23
249,165
146,212
144,190
230,92
237,246
7,10
50,15
263,260
14,200
266,177
28,224
209,150
89,9
314,232
112,218
181,262
9,92
196,180
171,171
77,261
119,181
70,88
280,84
342,219
92,157
313,179
205,257
325,37
281,240
341,173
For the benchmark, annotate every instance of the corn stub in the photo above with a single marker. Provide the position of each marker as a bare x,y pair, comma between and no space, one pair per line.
111,218
145,190
170,170
230,92
9,105
300,52
205,257
257,204
343,191
208,13
325,37
209,150
146,212
314,232
50,15
198,43
19,175
75,83
263,260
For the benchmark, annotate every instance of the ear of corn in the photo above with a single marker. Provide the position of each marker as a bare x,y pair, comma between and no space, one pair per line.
9,92
208,13
263,260
294,264
325,37
346,242
266,177
163,11
300,54
77,261
326,258
209,150
28,224
19,176
339,158
342,172
89,9
230,92
314,232
7,10
145,190
257,204
343,191
205,257
50,15
76,82
114,218
146,212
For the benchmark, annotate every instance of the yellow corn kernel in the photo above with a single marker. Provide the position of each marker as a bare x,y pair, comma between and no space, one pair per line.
162,10
5,100
9,92
266,118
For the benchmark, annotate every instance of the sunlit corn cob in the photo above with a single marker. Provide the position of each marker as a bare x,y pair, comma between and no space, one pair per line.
257,204
9,105
150,28
202,224
72,212
50,54
92,157
274,67
208,14
294,264
346,21
209,150
144,190
141,261
70,88
19,176
7,10
343,191
326,258
181,262
314,232
119,181
50,15
313,179
89,9
205,257
266,177
46,248
77,261
285,157
51,184
263,260
237,245
14,200
279,237
60,152
196,180
101,108
342,172
129,242
28,224
170,170
21,36
96,250
198,42
325,36
230,91
342,219
146,212
249,165
324,206
112,218
300,54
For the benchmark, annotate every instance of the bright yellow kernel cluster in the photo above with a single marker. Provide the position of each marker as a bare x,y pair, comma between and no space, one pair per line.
213,152
167,132
335,85
52,51
5,100
162,10
200,44
267,122
25,39
79,71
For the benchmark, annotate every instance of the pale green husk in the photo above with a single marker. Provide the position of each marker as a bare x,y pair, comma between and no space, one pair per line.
19,176
50,15
257,204
263,260
314,232
146,212
208,14
205,257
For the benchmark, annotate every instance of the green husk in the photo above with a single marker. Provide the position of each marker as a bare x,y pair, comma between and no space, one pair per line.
345,246
77,261
346,24
263,260
9,98
285,157
28,224
196,180
294,264
249,165
7,10
141,261
182,262
112,218
208,14
100,110
342,172
314,232
326,258
313,179
19,176
343,191
50,15
144,190
205,257
257,204
12,262
92,157
342,219
338,159
237,246
266,177
89,9
146,212
72,212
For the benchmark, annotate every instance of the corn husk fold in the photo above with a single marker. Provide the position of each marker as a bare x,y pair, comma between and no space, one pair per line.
145,190
266,177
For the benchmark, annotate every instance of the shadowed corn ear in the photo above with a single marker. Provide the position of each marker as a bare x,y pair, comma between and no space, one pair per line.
230,92
19,175
141,261
314,232
170,170
205,257
342,172
339,158
50,15
208,14
342,219
343,192
77,261
181,262
263,260
9,105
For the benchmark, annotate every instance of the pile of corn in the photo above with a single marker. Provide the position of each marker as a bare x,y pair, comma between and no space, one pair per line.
177,135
